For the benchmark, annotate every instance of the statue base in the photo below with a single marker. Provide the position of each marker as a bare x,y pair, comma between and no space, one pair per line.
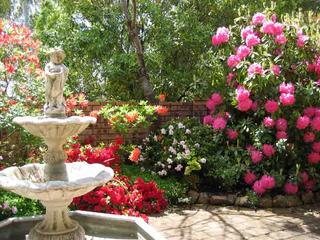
54,112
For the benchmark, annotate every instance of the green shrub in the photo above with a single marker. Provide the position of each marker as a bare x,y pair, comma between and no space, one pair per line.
190,150
23,206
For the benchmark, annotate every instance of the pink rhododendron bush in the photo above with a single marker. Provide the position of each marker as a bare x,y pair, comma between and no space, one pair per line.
269,102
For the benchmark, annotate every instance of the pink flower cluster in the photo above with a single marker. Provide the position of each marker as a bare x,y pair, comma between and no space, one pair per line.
214,101
307,183
291,188
314,67
255,69
271,106
222,36
257,155
286,91
243,98
302,39
249,178
233,61
232,134
219,123
243,51
265,183
273,28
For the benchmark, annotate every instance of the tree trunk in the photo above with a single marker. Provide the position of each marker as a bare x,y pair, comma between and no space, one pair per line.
136,42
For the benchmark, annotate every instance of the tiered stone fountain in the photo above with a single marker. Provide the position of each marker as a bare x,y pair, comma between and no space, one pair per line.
55,183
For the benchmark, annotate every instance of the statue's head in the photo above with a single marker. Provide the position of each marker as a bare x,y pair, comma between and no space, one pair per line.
57,55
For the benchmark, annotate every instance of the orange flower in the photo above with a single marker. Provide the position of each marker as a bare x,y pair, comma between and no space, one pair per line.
71,103
162,97
132,116
162,111
12,102
135,154
3,109
94,114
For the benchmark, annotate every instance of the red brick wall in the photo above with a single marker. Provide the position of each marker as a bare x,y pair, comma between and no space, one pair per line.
103,132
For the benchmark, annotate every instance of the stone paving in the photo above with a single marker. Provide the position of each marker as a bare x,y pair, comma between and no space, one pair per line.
211,222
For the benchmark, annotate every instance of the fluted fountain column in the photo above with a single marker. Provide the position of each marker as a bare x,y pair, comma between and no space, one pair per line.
57,225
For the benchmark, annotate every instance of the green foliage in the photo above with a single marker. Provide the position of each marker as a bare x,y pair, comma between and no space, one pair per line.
4,7
175,188
130,116
24,206
175,37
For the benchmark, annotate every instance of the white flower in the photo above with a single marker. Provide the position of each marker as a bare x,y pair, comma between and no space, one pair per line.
188,131
1,158
180,125
140,147
142,169
178,168
197,145
184,146
163,131
147,139
169,160
170,132
169,166
171,127
162,172
155,138
203,160
182,143
172,150
159,163
174,141
162,165
141,158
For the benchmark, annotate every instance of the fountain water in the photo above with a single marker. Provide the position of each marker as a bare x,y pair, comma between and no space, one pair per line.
55,183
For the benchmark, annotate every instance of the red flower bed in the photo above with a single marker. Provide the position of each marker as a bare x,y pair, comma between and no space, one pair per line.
120,195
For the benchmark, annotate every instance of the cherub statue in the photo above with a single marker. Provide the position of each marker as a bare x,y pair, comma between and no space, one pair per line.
56,74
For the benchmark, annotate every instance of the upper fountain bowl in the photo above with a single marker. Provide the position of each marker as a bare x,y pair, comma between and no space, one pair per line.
47,128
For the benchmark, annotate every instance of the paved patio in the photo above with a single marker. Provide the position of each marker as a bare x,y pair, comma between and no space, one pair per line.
217,223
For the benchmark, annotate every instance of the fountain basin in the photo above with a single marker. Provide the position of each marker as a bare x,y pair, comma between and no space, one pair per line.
98,226
29,181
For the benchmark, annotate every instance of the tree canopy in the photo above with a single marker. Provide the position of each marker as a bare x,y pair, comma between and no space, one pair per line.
175,38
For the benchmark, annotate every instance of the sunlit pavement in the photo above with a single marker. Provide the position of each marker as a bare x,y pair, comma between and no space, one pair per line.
216,223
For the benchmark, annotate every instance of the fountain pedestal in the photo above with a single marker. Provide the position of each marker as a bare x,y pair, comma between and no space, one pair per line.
57,224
